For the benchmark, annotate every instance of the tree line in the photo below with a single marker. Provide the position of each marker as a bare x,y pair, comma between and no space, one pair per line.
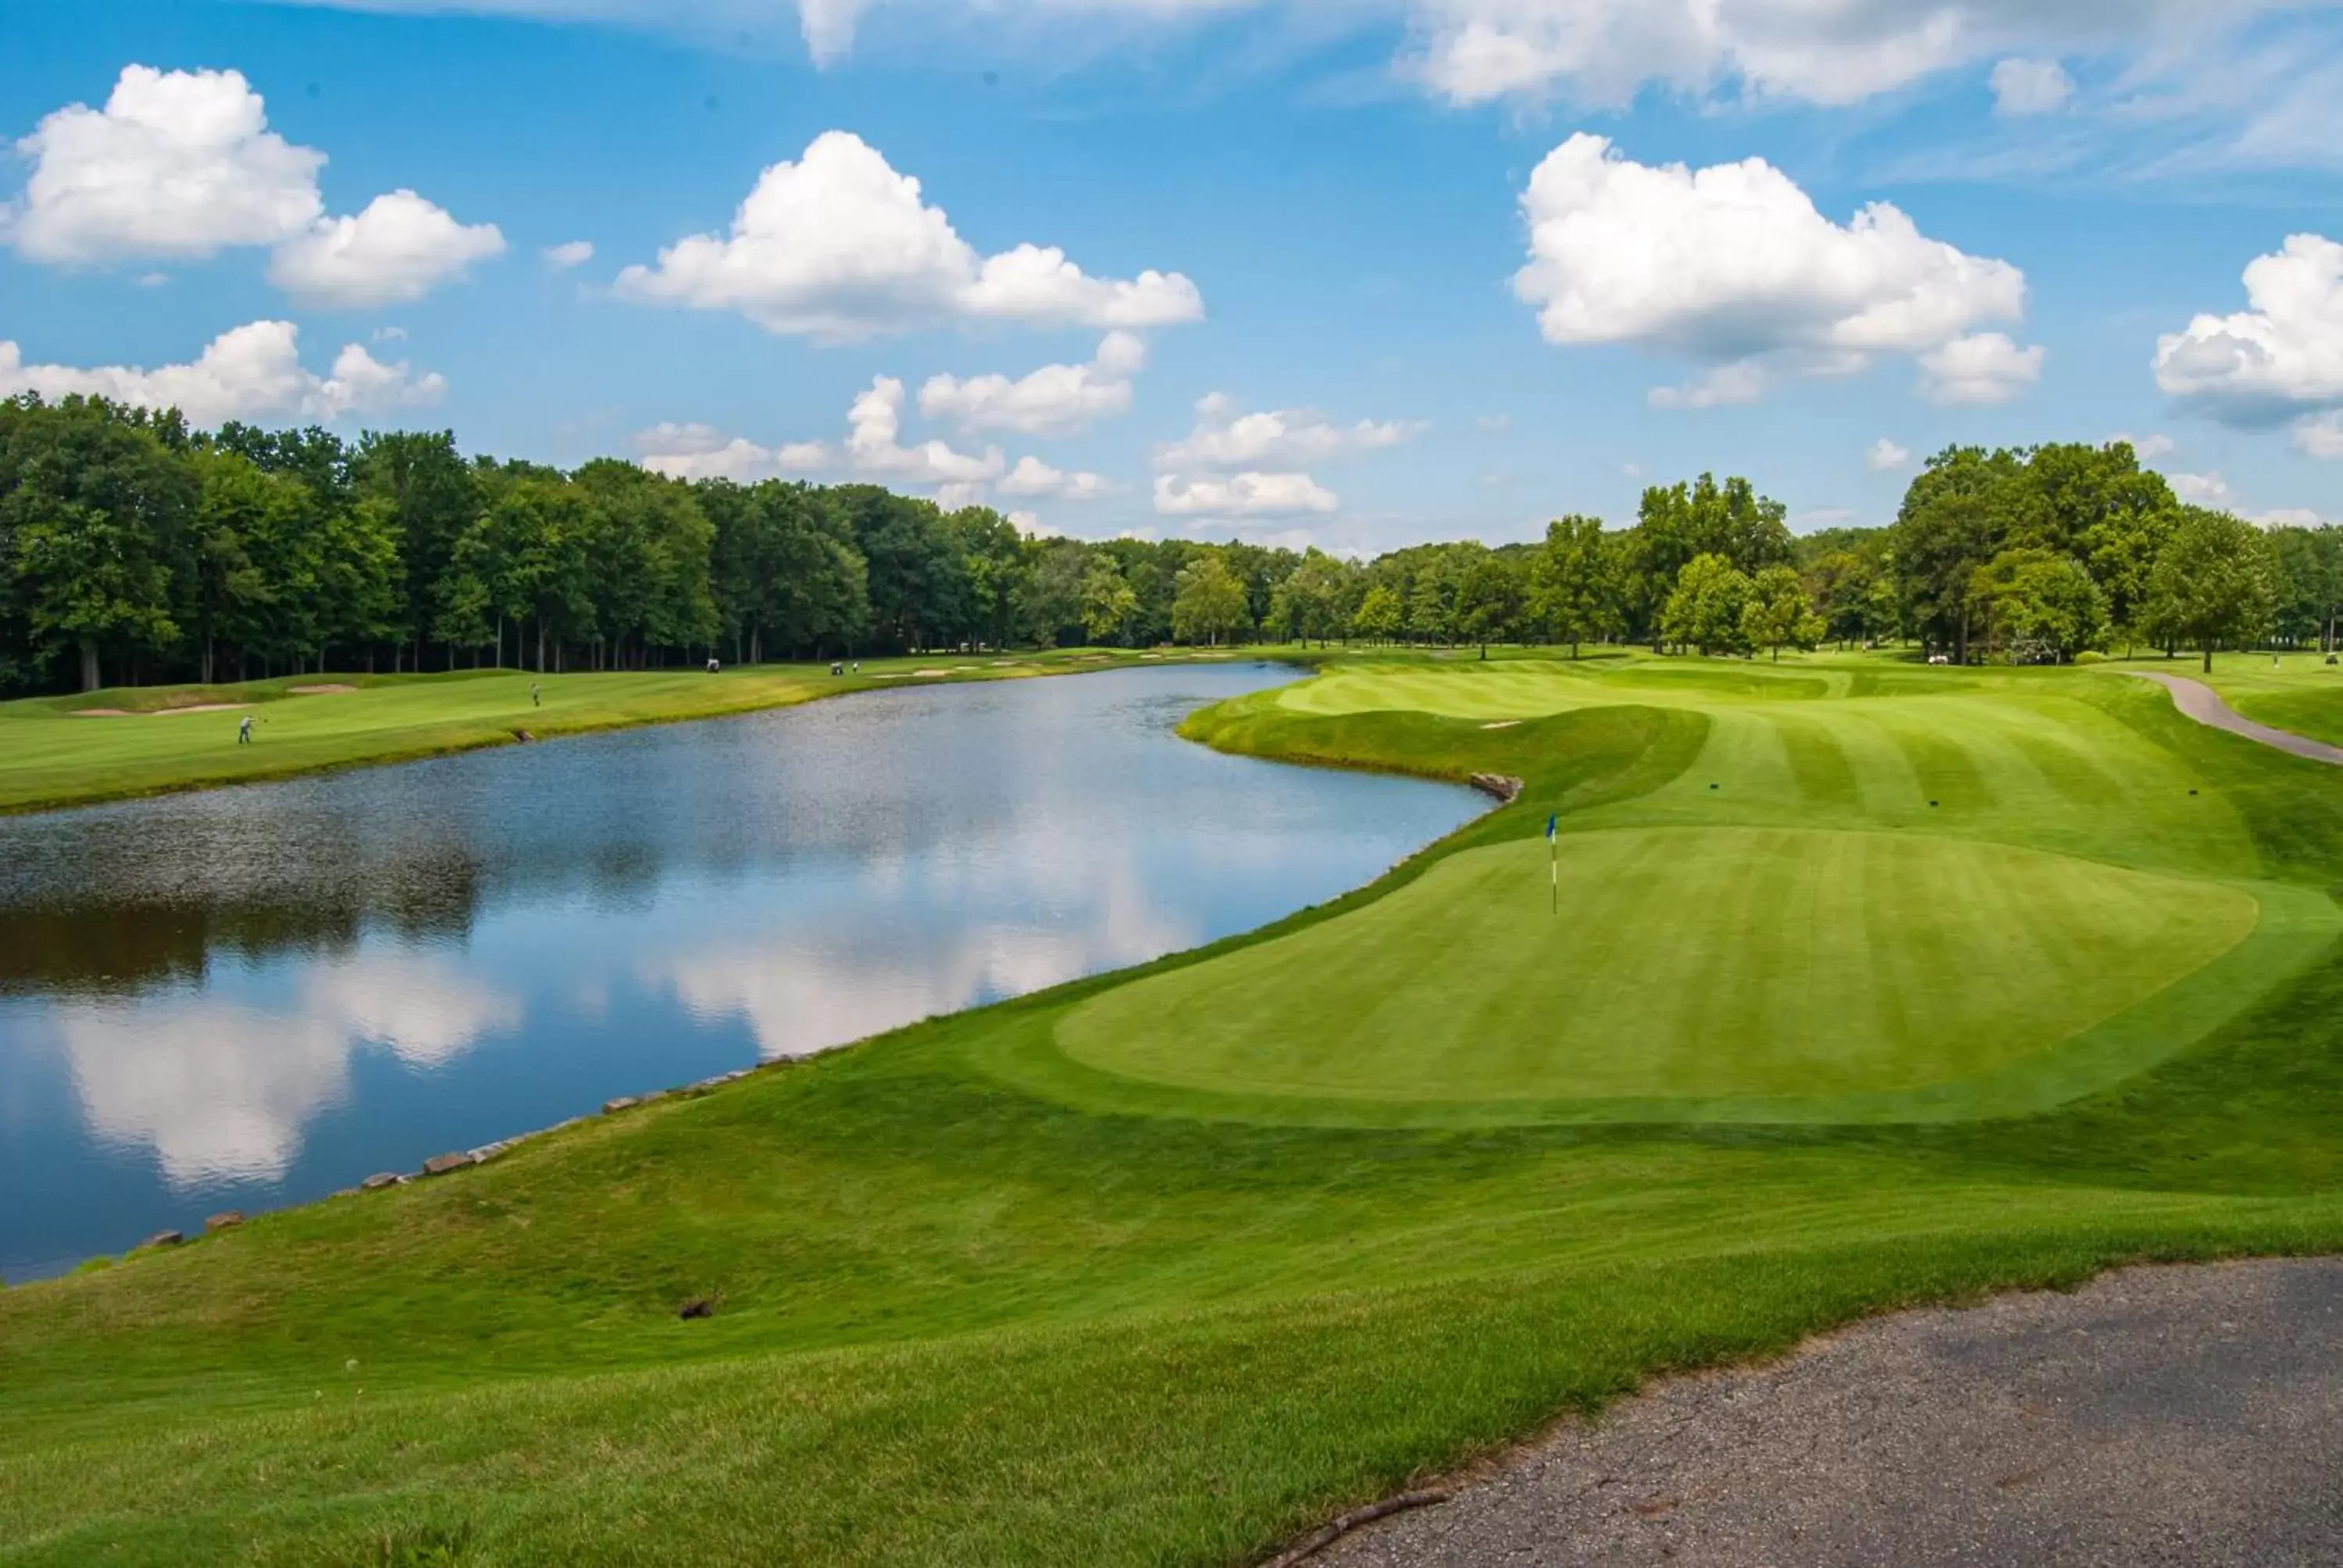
133,549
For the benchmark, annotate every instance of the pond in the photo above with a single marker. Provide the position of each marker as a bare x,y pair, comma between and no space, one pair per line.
255,996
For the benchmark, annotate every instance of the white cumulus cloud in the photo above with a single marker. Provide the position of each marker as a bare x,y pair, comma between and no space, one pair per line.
2281,357
1885,457
1602,52
568,254
1054,400
182,163
177,163
396,251
1984,367
2022,86
1279,438
1246,495
252,372
1033,477
1732,267
691,451
839,246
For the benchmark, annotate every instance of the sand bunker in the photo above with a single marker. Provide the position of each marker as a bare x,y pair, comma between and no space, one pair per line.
318,690
1502,724
156,712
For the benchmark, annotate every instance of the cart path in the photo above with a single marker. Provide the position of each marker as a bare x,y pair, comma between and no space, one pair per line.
2175,1415
2203,703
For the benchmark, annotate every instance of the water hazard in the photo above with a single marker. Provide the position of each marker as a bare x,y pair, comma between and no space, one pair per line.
255,996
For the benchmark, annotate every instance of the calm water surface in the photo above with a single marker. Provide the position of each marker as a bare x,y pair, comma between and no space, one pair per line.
255,996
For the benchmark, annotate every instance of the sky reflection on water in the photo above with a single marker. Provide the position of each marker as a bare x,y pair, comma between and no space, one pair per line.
253,996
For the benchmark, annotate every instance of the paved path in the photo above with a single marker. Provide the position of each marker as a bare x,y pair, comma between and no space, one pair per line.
2203,703
2157,1416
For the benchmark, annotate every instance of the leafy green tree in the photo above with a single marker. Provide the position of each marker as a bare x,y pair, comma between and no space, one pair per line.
1050,598
1381,617
1314,600
1574,590
916,577
995,555
2212,584
1210,604
94,503
1705,608
1776,615
1489,604
434,497
2036,606
1110,606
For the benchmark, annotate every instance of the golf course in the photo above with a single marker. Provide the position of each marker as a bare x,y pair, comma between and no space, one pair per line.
1842,984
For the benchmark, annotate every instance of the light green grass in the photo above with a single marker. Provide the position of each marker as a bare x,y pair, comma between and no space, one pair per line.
982,1303
1694,963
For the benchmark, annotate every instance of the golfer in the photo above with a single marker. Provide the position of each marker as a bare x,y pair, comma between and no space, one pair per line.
534,699
244,730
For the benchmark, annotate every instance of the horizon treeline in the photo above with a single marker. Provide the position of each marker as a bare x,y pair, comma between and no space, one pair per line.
136,549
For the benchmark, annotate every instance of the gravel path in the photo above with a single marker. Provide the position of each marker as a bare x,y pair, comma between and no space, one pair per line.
2157,1416
2203,703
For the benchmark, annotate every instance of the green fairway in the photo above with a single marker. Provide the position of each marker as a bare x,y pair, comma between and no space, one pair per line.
1872,984
141,740
1696,963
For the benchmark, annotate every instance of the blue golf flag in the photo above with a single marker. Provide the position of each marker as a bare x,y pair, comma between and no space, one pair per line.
1554,824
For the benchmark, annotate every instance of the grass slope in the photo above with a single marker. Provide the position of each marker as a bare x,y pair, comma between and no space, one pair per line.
983,1303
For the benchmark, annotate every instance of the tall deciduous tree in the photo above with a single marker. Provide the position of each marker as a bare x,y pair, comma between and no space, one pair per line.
1704,610
1210,604
1574,583
2212,585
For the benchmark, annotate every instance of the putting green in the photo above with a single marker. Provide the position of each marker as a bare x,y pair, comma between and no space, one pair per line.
1690,965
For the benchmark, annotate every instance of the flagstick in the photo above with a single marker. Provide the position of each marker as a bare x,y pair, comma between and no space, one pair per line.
1554,872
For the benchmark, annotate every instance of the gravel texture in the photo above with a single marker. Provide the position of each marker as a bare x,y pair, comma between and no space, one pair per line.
2157,1416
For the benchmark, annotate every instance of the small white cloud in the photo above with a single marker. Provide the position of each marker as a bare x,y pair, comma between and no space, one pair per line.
1054,400
568,254
389,334
2030,86
251,372
1031,525
703,452
1494,423
396,251
2320,435
153,279
1885,457
1732,267
2201,490
1226,440
1725,386
1986,367
2146,448
177,163
1033,477
1247,494
839,246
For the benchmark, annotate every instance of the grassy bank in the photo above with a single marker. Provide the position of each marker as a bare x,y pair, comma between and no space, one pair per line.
145,740
1034,1285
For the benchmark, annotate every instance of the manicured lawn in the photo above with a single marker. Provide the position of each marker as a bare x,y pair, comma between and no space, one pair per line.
1694,963
1161,1267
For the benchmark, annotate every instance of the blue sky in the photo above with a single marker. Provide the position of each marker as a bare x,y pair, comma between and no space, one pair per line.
1310,214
